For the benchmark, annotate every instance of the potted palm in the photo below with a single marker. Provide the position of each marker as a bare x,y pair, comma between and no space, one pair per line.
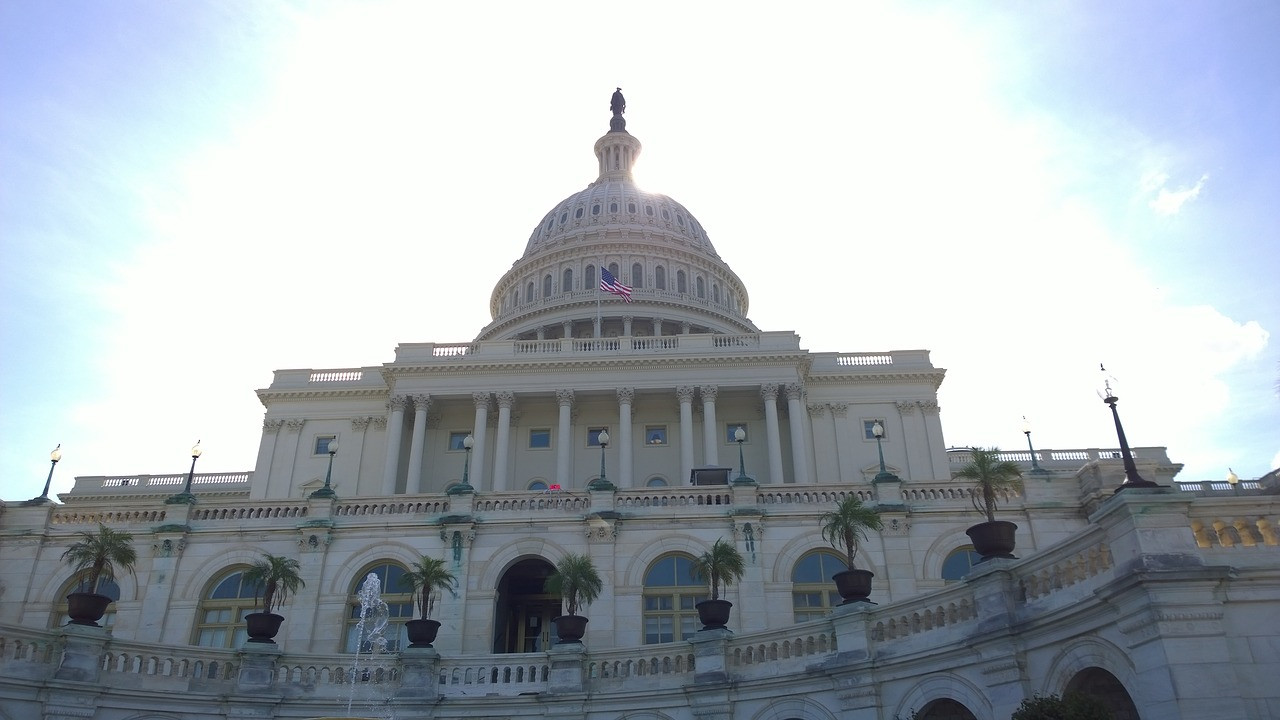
576,580
991,475
719,567
95,557
427,579
275,576
845,527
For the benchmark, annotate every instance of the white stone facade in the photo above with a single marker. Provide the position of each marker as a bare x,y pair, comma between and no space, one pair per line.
1170,596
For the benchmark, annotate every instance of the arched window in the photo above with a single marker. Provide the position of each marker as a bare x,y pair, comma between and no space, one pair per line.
813,592
105,587
656,481
682,285
538,485
637,275
566,285
589,278
399,600
660,277
702,288
546,286
715,293
944,709
613,269
220,617
528,292
670,594
959,563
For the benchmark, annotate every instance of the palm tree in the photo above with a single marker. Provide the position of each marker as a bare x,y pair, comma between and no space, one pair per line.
97,555
276,577
846,526
427,579
720,566
990,474
576,580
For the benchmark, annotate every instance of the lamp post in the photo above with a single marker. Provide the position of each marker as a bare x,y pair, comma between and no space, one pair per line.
185,497
601,483
1035,462
884,475
739,436
464,487
54,457
326,491
1232,479
1131,477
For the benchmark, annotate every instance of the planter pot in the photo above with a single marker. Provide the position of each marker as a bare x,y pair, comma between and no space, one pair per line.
262,626
713,613
422,632
570,628
993,539
87,608
853,585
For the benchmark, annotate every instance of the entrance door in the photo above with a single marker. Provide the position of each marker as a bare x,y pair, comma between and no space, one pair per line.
534,618
523,609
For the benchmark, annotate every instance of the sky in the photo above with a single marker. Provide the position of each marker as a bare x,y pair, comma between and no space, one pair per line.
195,194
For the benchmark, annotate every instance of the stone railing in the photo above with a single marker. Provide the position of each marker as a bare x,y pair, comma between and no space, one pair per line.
508,675
259,510
1061,459
547,502
102,516
644,662
368,507
1217,486
769,495
690,498
902,623
802,641
89,485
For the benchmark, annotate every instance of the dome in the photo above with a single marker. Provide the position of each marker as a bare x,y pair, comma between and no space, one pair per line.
650,243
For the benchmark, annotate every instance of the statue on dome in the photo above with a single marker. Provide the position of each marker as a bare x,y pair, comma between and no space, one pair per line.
617,103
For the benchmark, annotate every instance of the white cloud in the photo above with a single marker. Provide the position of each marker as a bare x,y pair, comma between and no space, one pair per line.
1169,202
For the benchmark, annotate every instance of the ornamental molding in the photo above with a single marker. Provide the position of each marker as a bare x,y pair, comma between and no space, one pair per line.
839,409
933,377
294,425
380,422
314,539
271,426
929,407
907,407
540,365
168,547
360,424
268,396
817,410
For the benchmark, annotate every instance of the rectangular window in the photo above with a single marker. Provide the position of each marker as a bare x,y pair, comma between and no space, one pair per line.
539,438
457,438
868,429
655,435
731,432
593,436
322,443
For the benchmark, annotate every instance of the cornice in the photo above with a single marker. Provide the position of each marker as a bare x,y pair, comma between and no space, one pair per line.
559,364
879,378
692,307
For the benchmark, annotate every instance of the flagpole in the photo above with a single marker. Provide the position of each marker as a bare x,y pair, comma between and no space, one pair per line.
598,329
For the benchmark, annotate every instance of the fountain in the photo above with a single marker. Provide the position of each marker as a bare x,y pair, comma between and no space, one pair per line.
370,633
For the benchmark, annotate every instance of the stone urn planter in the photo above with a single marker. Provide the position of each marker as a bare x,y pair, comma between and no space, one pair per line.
570,628
87,608
422,632
993,539
714,613
853,585
262,627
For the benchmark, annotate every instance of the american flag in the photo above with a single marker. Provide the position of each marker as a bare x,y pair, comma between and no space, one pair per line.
610,284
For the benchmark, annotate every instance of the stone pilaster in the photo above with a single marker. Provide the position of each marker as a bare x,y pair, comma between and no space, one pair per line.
568,668
257,667
82,648
419,677
710,656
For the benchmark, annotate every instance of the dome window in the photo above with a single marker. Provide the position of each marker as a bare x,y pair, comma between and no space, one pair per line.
613,207
637,275
589,277
715,293
577,214
528,292
648,210
546,286
550,221
702,288
595,209
564,217
660,277
682,285
680,219
567,284
666,214
631,208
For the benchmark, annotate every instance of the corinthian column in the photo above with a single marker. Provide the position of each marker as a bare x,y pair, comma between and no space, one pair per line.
799,443
505,400
413,482
709,431
625,397
478,434
395,429
769,394
563,441
685,394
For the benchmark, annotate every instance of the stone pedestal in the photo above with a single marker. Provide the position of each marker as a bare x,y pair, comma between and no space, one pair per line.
82,648
850,624
420,676
710,660
257,667
568,673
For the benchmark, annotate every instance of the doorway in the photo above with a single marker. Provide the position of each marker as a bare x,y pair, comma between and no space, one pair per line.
523,609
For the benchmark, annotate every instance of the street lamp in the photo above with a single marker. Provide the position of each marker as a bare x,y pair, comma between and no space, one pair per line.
1035,463
54,457
465,487
326,491
185,497
884,475
739,436
1232,479
1131,477
601,483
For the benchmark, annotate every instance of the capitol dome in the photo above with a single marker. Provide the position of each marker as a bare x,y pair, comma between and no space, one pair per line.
647,241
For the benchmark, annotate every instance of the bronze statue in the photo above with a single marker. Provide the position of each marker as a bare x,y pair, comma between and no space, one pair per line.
617,103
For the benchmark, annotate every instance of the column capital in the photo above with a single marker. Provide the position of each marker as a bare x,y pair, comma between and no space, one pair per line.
840,409
564,397
359,424
379,422
817,409
769,391
795,391
481,399
906,407
626,395
505,398
421,401
271,426
929,407
709,393
295,424
685,393
397,402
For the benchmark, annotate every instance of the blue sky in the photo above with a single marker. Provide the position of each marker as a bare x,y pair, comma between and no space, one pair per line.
195,194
